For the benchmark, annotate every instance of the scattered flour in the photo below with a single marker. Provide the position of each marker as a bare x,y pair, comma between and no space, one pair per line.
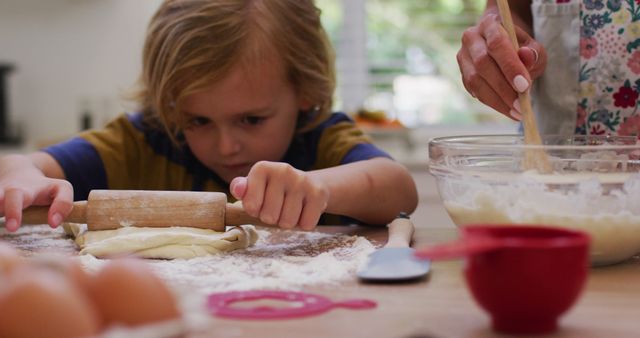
280,259
35,239
289,260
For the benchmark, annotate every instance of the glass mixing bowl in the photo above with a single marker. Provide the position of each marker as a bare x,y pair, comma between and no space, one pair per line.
594,186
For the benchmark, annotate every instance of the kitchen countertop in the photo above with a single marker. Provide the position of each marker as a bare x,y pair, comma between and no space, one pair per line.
440,305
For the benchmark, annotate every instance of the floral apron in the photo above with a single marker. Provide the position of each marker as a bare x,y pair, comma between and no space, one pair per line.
597,43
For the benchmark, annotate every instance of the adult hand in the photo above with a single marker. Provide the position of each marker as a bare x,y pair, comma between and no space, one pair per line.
492,71
22,184
277,193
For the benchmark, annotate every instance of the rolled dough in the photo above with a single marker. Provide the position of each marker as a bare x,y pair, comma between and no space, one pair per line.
163,243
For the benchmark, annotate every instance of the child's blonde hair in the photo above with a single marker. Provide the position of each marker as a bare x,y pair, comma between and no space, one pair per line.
190,44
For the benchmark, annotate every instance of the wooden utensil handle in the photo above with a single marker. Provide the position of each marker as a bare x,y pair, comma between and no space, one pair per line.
534,158
507,21
111,209
400,233
40,215
235,215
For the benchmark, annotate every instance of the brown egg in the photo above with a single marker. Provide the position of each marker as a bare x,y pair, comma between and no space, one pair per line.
64,265
9,258
126,292
40,303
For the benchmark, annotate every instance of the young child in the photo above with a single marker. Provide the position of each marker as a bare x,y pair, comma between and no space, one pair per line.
584,54
235,97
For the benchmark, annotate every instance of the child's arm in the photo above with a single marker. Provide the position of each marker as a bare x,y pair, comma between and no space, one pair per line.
35,179
372,191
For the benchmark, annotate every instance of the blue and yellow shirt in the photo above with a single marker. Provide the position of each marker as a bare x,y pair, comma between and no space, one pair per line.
130,154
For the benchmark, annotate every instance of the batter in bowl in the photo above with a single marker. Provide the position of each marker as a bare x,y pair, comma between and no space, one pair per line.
610,215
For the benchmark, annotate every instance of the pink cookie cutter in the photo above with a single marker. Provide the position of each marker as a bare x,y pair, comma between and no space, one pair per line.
305,304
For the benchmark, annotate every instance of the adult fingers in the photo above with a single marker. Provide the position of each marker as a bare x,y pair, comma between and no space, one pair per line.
528,56
534,57
491,76
476,84
501,50
481,75
467,69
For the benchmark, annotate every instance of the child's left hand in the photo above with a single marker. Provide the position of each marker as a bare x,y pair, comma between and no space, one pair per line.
278,193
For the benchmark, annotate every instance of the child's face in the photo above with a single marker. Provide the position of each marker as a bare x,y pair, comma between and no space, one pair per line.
247,117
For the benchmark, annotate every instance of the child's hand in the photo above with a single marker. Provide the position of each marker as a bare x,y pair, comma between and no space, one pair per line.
278,193
491,69
22,184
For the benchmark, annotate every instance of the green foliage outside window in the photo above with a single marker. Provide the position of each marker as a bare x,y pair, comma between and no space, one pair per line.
430,28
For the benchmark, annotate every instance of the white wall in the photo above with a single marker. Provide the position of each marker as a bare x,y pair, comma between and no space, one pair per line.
69,53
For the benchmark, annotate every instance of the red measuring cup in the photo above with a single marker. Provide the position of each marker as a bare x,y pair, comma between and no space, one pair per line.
525,276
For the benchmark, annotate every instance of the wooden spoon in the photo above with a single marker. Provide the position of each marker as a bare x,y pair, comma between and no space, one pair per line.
533,158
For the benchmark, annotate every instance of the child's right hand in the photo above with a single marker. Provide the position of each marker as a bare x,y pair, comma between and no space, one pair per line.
277,193
492,71
23,184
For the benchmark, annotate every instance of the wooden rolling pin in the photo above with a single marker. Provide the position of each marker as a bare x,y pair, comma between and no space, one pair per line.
112,209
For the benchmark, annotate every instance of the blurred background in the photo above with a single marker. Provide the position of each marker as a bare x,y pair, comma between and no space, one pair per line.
65,65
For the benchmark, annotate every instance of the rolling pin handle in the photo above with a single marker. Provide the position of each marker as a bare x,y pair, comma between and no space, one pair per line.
40,214
235,215
78,213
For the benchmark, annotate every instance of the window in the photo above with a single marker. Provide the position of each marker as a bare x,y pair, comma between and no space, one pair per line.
398,56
